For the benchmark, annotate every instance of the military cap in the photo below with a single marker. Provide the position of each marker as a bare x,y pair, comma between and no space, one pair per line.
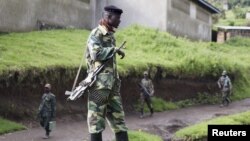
113,9
145,73
224,72
47,86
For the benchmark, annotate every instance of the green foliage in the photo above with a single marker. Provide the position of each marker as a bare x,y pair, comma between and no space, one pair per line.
146,48
202,98
239,42
231,23
199,131
240,13
7,126
185,103
206,98
159,105
238,3
142,136
234,17
41,49
231,3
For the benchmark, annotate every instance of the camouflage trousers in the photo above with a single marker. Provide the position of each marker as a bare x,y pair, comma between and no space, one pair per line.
148,101
105,104
44,122
225,97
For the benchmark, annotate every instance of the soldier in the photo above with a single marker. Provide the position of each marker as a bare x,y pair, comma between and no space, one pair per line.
47,109
225,86
147,90
104,100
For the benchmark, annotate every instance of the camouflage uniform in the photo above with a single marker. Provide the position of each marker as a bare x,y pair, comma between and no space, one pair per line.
147,83
47,110
104,100
225,85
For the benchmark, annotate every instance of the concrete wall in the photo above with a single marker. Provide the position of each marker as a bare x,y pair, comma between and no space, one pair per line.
224,35
179,17
144,12
22,15
185,18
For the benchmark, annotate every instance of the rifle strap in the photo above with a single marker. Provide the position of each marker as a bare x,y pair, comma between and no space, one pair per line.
78,72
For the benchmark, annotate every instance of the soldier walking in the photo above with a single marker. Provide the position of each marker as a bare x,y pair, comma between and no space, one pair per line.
47,109
225,86
147,91
104,100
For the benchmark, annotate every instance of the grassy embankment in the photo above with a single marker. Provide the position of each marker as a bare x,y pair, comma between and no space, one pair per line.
199,131
146,48
9,126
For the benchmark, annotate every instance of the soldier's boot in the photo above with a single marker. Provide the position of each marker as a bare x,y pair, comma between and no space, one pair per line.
46,136
121,136
96,137
229,100
142,113
151,112
47,133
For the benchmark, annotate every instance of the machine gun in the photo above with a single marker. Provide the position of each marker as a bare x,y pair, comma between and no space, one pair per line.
89,80
144,90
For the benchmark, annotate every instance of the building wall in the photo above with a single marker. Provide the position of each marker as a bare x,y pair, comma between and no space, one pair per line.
179,17
144,12
22,15
186,19
224,35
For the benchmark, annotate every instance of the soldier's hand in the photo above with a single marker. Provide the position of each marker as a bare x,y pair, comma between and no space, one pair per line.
120,52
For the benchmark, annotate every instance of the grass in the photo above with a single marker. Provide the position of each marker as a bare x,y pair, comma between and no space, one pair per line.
231,20
42,49
199,131
7,126
177,57
159,105
142,136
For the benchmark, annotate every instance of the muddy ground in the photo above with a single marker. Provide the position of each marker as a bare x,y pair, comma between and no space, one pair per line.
164,124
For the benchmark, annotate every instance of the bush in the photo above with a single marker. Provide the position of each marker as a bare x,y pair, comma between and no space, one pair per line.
159,105
239,13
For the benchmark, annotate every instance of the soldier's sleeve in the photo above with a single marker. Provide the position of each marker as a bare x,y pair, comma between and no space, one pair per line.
218,82
41,105
97,51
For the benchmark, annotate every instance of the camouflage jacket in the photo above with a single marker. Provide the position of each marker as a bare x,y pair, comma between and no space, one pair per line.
48,105
100,46
147,83
224,83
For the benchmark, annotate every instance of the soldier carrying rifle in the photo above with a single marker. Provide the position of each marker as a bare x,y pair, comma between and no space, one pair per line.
104,100
225,85
147,91
47,109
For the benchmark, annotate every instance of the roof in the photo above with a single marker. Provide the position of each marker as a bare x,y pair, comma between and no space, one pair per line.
206,5
233,27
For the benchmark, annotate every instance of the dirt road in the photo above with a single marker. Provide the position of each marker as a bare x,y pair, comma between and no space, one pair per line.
163,124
